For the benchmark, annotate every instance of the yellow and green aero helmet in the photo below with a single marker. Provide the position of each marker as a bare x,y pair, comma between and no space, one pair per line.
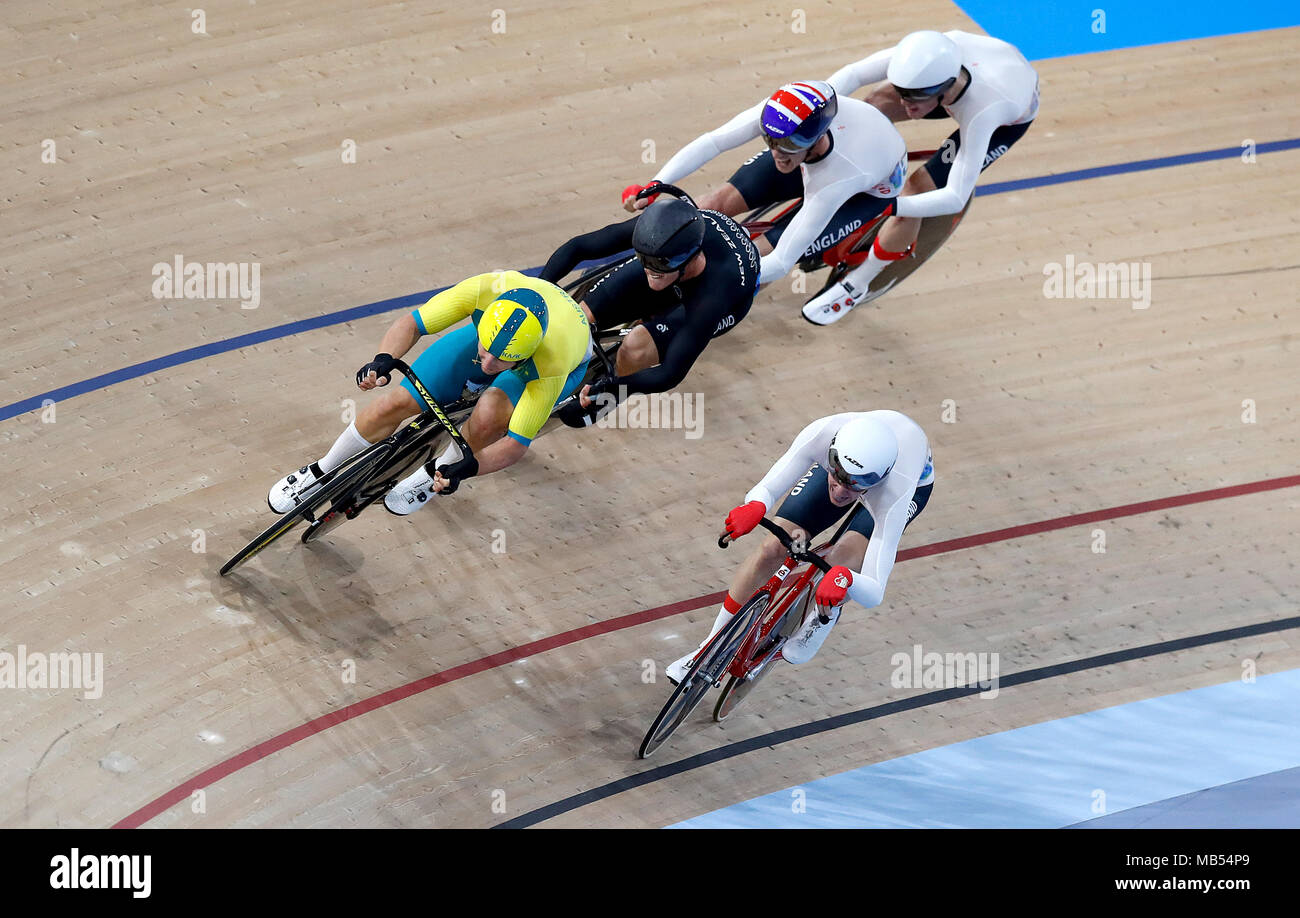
512,326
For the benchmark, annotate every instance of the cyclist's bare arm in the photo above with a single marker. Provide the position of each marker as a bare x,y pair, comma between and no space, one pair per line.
400,338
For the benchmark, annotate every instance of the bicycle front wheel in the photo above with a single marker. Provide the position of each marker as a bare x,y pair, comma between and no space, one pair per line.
340,483
708,669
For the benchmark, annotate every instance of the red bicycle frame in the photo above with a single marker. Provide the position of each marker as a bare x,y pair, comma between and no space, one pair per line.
843,251
783,596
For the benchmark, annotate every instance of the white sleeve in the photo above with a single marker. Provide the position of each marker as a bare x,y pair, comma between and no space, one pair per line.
868,586
740,129
951,198
809,447
848,80
803,230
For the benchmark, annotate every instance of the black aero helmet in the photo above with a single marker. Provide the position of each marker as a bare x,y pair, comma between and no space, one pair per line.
667,235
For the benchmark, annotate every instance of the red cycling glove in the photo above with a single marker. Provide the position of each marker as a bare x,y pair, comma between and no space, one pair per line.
834,587
631,191
742,520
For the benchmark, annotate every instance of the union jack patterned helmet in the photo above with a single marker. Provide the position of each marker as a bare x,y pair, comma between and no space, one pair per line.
798,114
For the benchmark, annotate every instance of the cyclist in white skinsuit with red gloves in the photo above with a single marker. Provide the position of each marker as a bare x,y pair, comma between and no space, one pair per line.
876,462
985,85
846,160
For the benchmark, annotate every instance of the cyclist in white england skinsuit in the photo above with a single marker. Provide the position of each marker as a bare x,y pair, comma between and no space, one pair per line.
874,466
982,83
842,156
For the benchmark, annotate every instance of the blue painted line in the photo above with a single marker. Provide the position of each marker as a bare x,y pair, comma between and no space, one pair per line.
405,302
1141,165
207,350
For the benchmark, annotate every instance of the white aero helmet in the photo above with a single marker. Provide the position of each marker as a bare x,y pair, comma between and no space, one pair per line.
924,64
862,453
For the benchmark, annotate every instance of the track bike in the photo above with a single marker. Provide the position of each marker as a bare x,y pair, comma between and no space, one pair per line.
365,478
748,645
841,258
854,248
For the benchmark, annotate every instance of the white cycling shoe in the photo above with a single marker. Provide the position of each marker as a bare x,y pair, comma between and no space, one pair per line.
812,634
293,489
411,493
834,304
676,670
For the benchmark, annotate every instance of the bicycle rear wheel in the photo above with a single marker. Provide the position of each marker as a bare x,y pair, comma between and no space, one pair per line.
703,674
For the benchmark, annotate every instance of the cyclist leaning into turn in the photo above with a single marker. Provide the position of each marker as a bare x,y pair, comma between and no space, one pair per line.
841,156
878,463
691,278
982,83
525,348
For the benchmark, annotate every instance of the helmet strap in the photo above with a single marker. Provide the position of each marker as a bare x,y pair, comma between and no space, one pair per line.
965,86
818,157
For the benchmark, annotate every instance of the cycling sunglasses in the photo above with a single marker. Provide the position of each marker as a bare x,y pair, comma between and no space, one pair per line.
928,92
659,265
785,144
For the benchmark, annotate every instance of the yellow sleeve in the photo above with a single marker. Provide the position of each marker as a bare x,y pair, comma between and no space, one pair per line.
447,308
535,406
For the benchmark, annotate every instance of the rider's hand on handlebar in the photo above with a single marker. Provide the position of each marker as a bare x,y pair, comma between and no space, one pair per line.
834,587
630,202
377,372
447,477
742,520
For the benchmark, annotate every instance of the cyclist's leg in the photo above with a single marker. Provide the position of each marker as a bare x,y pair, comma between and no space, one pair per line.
490,419
899,234
851,216
849,549
807,511
646,344
444,367
838,300
639,351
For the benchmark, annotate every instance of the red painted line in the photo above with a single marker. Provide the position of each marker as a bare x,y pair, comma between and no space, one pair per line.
1095,516
631,620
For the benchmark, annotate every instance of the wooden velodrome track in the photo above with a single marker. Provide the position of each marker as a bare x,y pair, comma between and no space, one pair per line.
477,151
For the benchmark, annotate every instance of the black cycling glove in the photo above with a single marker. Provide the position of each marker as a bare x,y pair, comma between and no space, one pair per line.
382,366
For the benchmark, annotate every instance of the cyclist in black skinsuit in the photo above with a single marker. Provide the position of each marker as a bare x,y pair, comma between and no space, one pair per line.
693,278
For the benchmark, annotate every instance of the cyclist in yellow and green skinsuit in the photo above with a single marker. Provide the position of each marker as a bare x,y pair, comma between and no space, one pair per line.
527,344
